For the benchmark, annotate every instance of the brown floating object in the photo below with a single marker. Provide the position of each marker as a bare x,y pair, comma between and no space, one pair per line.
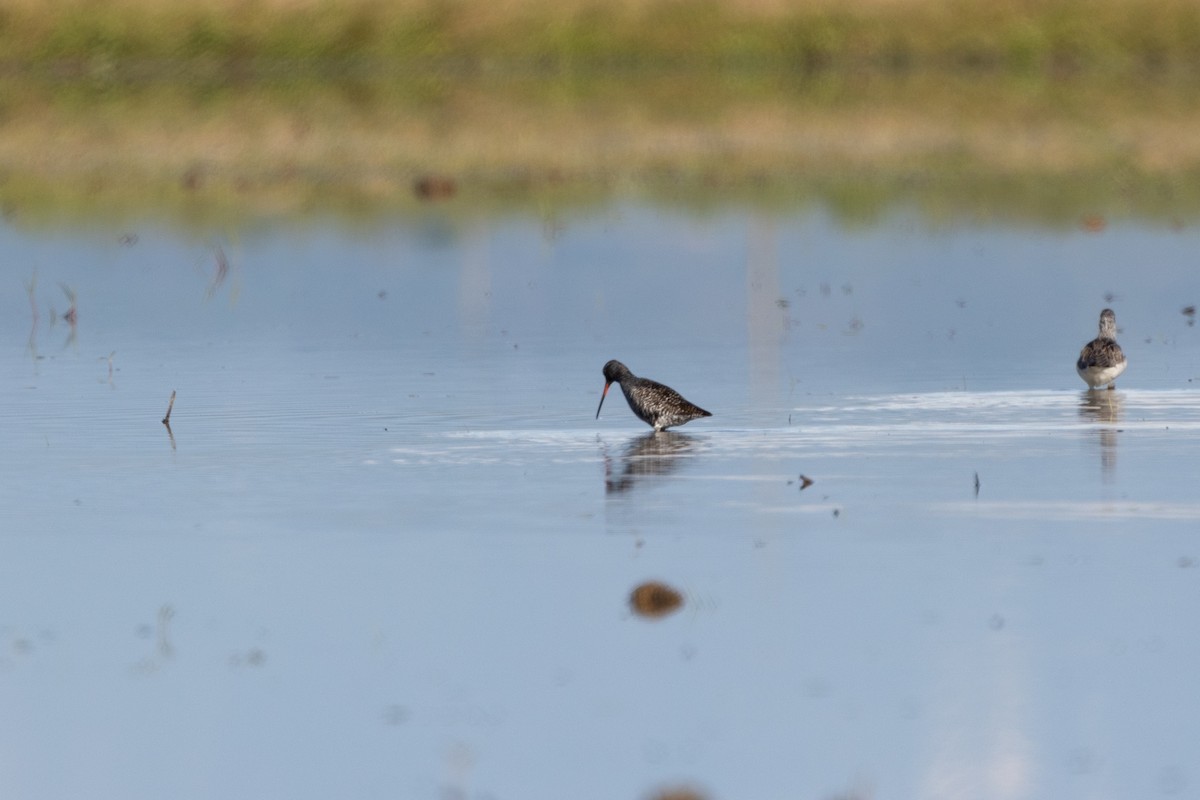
435,187
170,404
655,599
679,793
1093,223
805,482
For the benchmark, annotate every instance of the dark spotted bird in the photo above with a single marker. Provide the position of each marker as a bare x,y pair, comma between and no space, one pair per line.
1101,359
655,404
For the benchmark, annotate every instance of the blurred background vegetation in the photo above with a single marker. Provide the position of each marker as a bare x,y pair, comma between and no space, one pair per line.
1059,112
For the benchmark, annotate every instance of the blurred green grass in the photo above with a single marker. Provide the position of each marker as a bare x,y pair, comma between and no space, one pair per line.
570,35
223,111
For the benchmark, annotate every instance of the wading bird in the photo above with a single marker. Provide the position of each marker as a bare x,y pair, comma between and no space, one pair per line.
655,404
1101,359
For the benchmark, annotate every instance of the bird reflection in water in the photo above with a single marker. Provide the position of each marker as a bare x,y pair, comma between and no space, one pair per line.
654,455
1105,409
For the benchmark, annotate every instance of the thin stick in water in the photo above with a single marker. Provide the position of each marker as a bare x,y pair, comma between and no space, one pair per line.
171,404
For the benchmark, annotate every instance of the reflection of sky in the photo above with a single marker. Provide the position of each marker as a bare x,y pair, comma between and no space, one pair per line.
397,566
897,306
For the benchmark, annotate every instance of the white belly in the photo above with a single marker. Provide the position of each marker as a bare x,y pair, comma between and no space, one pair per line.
1095,377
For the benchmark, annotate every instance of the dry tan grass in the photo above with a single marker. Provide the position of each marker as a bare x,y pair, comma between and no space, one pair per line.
279,149
485,132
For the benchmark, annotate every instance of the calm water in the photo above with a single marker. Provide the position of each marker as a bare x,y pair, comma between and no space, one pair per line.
385,549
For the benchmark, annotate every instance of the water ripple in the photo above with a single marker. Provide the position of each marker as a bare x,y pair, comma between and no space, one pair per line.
946,422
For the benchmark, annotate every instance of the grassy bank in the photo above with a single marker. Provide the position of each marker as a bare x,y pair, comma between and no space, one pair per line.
566,35
227,110
1049,150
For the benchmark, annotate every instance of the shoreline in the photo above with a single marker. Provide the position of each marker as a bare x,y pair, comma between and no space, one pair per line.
1047,152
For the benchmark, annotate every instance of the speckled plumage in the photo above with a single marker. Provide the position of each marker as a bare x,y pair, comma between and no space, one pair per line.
659,406
1101,360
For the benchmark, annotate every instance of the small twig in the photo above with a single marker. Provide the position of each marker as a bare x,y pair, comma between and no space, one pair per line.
72,313
170,404
221,272
164,643
31,290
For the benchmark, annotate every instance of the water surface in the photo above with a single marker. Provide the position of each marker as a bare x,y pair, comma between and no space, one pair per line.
386,549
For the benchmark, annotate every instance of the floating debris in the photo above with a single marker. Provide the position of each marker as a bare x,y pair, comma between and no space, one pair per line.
977,484
170,404
254,657
128,239
1190,313
655,599
1093,223
858,793
395,715
805,482
678,793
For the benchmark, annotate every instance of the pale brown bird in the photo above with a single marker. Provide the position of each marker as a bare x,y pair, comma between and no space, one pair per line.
1101,359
